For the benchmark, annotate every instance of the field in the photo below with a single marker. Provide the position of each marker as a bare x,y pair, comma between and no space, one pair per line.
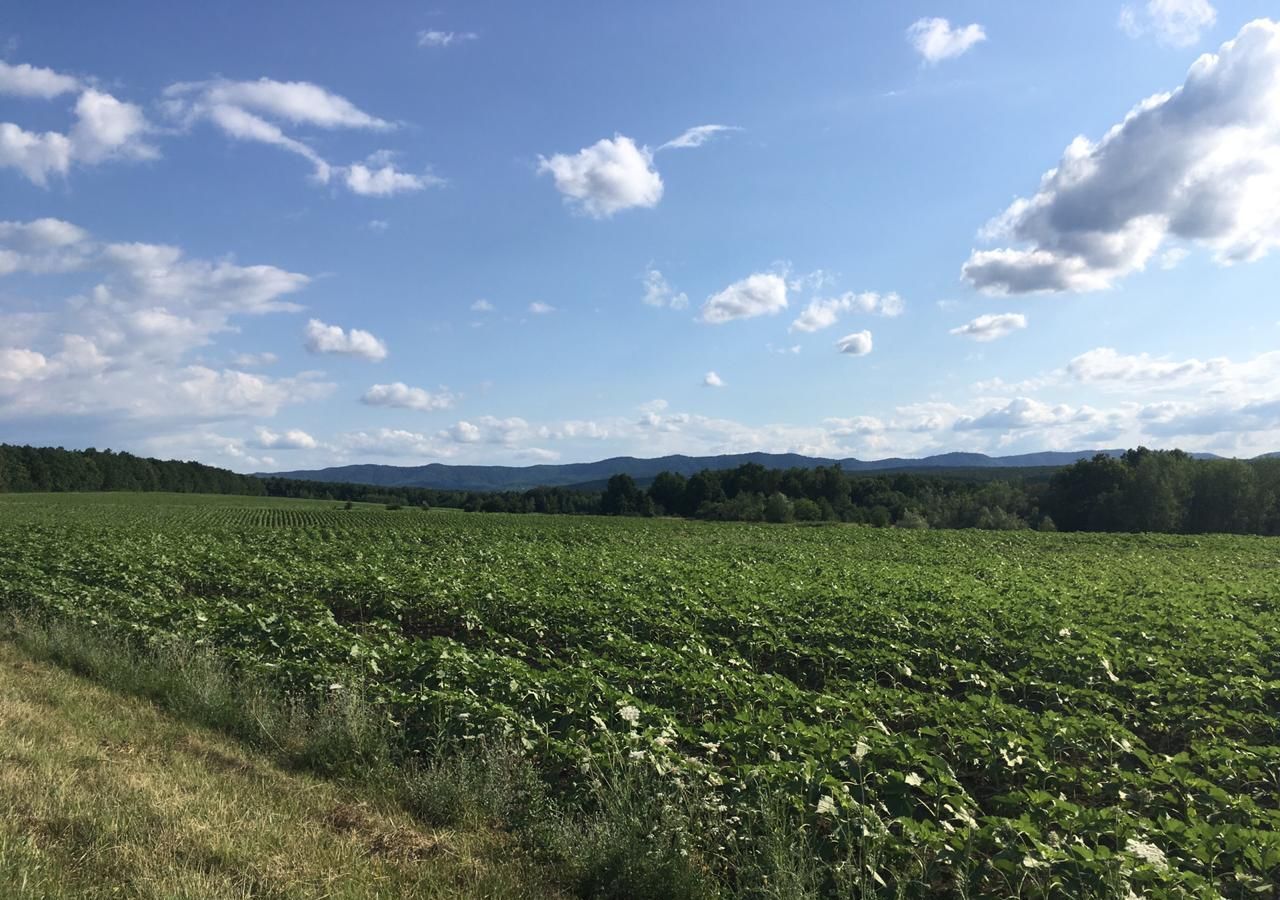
967,712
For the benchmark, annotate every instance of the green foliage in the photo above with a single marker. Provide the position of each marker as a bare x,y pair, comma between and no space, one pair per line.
989,713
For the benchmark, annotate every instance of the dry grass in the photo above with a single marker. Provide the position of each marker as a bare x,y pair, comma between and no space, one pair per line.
101,795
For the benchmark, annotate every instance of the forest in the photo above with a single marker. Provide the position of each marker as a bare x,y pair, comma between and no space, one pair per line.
1166,491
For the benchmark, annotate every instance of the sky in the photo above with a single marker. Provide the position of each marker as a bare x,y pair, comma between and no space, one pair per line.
292,235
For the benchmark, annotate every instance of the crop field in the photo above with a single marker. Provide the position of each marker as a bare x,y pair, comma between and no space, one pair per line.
990,713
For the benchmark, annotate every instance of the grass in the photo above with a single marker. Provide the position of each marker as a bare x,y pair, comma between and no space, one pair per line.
103,795
159,771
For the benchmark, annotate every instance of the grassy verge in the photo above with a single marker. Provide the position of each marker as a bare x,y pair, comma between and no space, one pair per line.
241,790
106,796
234,751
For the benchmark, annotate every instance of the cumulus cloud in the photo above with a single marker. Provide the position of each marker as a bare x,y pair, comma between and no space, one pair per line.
435,38
609,176
379,177
935,39
657,292
711,379
538,308
107,128
26,80
697,136
322,338
394,442
1200,164
42,246
823,313
104,129
992,327
482,306
1177,23
291,439
761,294
117,351
17,364
1023,412
400,396
119,348
856,344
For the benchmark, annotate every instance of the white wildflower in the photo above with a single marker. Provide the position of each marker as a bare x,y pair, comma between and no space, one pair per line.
630,715
1064,632
914,780
860,750
826,805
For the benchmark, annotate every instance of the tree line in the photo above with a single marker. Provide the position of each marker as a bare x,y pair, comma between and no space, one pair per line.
1142,490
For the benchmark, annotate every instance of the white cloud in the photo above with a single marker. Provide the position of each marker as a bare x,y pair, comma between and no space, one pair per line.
1023,412
42,246
26,80
856,344
856,425
538,308
538,454
17,364
296,102
322,338
399,395
482,306
119,349
105,129
291,439
991,327
254,360
37,156
255,110
609,176
1177,23
394,442
657,292
935,39
464,433
384,179
711,379
756,295
1257,378
697,136
444,38
159,274
823,313
1200,164
378,225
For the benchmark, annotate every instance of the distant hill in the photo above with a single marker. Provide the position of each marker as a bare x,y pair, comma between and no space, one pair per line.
520,478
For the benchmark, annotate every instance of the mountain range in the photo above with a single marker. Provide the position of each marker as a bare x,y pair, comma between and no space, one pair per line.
520,478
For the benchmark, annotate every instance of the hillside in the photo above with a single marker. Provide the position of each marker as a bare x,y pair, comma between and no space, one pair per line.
518,478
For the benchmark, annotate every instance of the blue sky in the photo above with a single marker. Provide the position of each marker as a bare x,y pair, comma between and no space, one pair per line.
290,235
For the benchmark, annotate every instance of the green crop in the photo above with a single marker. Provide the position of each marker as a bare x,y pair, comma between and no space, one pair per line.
1014,712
